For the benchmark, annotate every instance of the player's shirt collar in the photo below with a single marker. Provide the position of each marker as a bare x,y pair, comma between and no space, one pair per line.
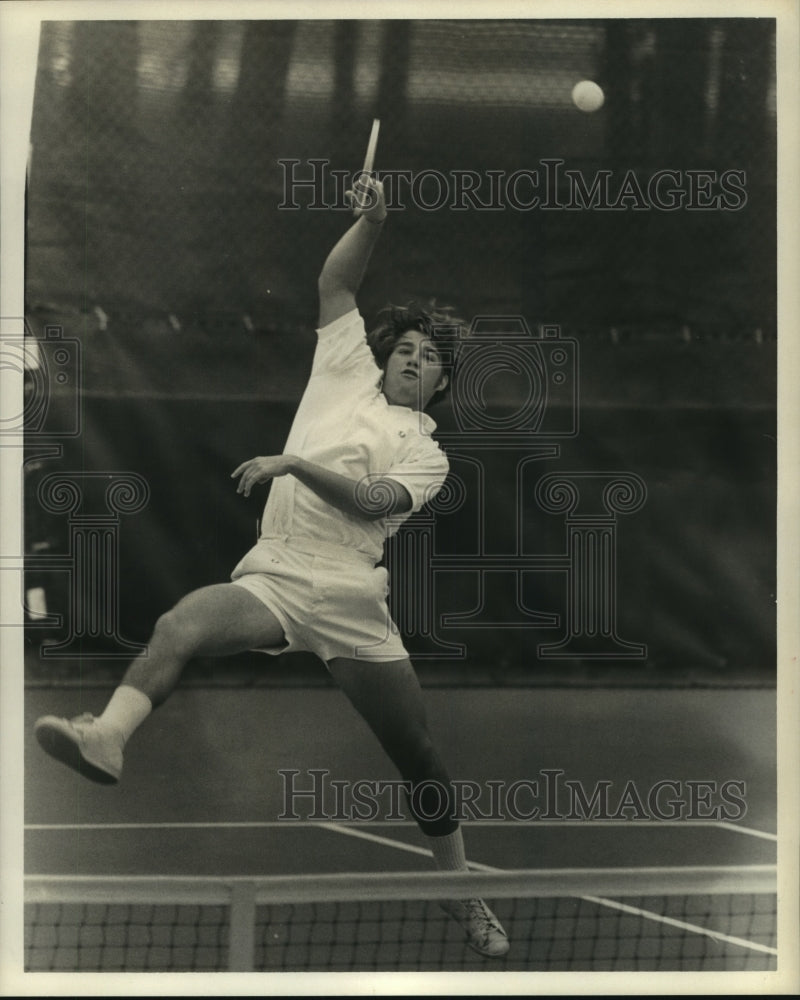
427,424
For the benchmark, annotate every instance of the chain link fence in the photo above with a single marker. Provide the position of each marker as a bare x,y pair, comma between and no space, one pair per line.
162,156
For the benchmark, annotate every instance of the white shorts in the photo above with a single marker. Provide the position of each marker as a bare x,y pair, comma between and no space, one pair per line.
332,604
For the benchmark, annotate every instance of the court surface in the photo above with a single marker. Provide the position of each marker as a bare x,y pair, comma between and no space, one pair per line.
202,793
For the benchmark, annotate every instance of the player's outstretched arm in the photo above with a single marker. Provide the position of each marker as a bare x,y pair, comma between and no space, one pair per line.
343,270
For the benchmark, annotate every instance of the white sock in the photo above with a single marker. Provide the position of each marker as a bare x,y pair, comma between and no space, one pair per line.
126,711
448,852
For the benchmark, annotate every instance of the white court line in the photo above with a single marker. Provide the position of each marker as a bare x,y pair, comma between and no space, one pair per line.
748,830
716,935
397,844
473,824
256,825
375,839
597,900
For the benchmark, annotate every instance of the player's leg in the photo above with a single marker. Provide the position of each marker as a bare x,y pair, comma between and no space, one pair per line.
389,698
214,621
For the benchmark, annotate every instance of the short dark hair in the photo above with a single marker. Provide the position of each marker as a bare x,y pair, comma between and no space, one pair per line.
439,323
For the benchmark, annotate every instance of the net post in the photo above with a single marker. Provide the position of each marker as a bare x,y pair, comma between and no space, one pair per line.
241,943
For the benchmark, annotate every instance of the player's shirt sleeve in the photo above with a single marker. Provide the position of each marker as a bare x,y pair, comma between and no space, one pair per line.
342,349
422,470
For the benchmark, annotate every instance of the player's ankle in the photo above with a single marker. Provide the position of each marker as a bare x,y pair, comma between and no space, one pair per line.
448,851
125,712
108,731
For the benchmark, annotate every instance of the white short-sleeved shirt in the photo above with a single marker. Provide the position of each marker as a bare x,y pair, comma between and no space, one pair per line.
345,424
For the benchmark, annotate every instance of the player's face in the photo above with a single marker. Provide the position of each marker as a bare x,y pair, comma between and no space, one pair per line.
413,372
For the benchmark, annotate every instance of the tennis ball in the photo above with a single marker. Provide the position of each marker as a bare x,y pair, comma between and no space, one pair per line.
587,96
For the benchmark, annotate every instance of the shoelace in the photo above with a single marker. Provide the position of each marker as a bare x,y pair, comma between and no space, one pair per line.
478,911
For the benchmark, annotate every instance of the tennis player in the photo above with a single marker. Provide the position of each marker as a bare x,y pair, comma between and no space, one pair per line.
358,461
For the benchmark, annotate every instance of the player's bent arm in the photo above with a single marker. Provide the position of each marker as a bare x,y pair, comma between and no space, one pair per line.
370,499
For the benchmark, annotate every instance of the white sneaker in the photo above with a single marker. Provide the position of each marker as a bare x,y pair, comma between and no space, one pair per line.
485,933
81,744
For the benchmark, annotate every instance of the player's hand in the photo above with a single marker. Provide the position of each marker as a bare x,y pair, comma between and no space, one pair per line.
260,470
367,198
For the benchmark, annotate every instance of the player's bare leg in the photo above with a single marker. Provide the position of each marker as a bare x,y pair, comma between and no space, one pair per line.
213,621
389,698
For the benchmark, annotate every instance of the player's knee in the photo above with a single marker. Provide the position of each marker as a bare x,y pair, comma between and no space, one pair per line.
421,757
178,631
430,793
165,629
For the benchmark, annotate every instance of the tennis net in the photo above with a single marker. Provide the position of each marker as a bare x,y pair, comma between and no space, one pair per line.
717,918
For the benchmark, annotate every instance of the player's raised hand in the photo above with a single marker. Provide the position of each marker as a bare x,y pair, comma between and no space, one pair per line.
260,470
367,198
